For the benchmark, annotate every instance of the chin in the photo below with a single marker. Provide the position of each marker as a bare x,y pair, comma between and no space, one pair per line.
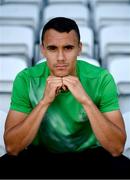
61,74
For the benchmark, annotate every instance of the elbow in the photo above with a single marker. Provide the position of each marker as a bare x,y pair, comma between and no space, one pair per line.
117,152
119,148
11,150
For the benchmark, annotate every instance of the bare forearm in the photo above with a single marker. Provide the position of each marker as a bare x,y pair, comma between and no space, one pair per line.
109,135
20,136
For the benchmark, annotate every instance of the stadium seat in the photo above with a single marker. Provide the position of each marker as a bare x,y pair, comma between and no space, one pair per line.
126,117
114,40
20,15
2,125
111,14
38,3
89,60
9,67
87,39
17,41
124,101
78,12
119,67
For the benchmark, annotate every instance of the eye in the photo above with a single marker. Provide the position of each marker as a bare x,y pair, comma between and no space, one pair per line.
51,48
69,47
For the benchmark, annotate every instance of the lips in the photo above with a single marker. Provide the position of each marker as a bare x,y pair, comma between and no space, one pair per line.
61,65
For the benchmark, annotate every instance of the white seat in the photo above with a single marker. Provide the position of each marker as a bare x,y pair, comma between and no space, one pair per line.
124,101
119,67
17,41
2,125
114,40
78,12
20,15
5,99
39,3
111,14
87,39
89,60
126,117
9,67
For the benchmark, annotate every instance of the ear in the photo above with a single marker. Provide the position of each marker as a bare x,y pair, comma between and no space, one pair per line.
80,48
43,50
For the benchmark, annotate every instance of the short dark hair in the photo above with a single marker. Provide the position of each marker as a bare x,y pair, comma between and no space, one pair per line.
61,24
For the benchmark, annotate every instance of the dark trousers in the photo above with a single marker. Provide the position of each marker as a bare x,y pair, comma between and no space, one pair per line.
38,162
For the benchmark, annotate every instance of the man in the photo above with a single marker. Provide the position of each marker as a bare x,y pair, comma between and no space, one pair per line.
64,113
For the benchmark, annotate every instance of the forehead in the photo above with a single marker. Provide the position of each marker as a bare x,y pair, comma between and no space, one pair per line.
54,37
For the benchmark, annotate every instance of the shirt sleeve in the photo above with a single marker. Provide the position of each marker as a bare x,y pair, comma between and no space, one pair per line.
20,96
109,94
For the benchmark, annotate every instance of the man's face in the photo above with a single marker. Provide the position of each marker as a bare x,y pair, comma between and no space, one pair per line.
61,51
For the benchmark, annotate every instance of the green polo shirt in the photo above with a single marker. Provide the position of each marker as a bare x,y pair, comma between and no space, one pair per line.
65,125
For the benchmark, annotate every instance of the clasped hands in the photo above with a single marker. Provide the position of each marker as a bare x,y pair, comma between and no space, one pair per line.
54,85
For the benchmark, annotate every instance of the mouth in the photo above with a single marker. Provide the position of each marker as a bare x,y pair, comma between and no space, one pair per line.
61,66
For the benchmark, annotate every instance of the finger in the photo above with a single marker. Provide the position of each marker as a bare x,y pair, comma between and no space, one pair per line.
54,78
64,87
58,90
70,77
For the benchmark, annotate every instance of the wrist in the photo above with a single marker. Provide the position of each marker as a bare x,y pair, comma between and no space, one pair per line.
87,102
44,103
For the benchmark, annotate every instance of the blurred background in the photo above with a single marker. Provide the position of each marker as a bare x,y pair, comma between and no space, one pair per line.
105,33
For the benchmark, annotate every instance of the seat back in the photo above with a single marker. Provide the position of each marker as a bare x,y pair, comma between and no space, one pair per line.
78,12
114,40
17,41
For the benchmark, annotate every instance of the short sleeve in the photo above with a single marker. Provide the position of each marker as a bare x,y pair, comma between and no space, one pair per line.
20,96
108,93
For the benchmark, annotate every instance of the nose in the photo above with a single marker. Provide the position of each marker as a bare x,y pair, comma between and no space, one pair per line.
60,55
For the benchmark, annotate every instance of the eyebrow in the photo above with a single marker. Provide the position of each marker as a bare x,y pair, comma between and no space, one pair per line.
69,46
54,46
51,46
